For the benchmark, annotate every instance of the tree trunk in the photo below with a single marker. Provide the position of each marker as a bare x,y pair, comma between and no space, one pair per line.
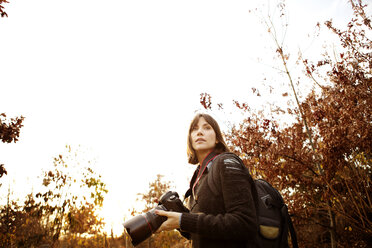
332,226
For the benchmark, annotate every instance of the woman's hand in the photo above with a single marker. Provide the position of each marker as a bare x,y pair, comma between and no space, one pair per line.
173,221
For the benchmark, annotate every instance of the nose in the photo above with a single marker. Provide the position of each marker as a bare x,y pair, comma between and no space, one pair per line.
199,131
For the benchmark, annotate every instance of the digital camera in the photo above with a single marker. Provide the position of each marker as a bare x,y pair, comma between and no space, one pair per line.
143,226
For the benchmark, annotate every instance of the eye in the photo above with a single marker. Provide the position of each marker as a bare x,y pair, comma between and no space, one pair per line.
207,127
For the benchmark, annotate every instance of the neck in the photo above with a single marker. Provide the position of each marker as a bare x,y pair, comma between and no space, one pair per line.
201,155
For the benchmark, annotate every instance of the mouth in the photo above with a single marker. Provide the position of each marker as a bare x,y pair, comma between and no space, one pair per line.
200,140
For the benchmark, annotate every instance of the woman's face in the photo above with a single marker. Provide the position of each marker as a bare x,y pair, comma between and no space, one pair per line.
203,137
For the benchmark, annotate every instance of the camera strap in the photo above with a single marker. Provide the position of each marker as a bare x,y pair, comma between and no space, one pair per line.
207,162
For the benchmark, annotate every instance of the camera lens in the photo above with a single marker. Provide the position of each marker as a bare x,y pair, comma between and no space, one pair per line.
138,229
142,226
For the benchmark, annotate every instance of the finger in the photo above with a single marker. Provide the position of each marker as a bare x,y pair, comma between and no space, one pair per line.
162,227
161,213
159,230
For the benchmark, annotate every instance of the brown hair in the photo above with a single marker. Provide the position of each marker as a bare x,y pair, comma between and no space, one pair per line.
220,146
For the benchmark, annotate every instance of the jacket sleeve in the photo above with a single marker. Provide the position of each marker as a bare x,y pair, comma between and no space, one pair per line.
239,222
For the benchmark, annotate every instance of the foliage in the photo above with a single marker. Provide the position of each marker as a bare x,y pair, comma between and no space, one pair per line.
20,226
65,207
9,130
322,161
71,194
156,189
2,12
96,241
164,239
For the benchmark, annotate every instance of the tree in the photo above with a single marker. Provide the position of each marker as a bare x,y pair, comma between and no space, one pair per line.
9,129
71,195
151,198
342,120
156,189
322,161
66,204
2,12
20,226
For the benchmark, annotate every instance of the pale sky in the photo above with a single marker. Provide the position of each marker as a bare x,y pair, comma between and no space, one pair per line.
123,80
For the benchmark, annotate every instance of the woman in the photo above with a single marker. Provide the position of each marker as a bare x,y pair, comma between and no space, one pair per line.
226,220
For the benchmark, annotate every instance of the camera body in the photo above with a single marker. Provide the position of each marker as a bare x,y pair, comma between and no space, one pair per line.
143,226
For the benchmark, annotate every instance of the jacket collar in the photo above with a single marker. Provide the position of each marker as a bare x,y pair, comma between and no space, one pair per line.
209,158
204,163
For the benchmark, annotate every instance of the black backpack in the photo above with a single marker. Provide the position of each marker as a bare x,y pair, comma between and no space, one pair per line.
273,218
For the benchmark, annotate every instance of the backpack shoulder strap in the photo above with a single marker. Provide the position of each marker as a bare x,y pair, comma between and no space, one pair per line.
213,177
291,229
